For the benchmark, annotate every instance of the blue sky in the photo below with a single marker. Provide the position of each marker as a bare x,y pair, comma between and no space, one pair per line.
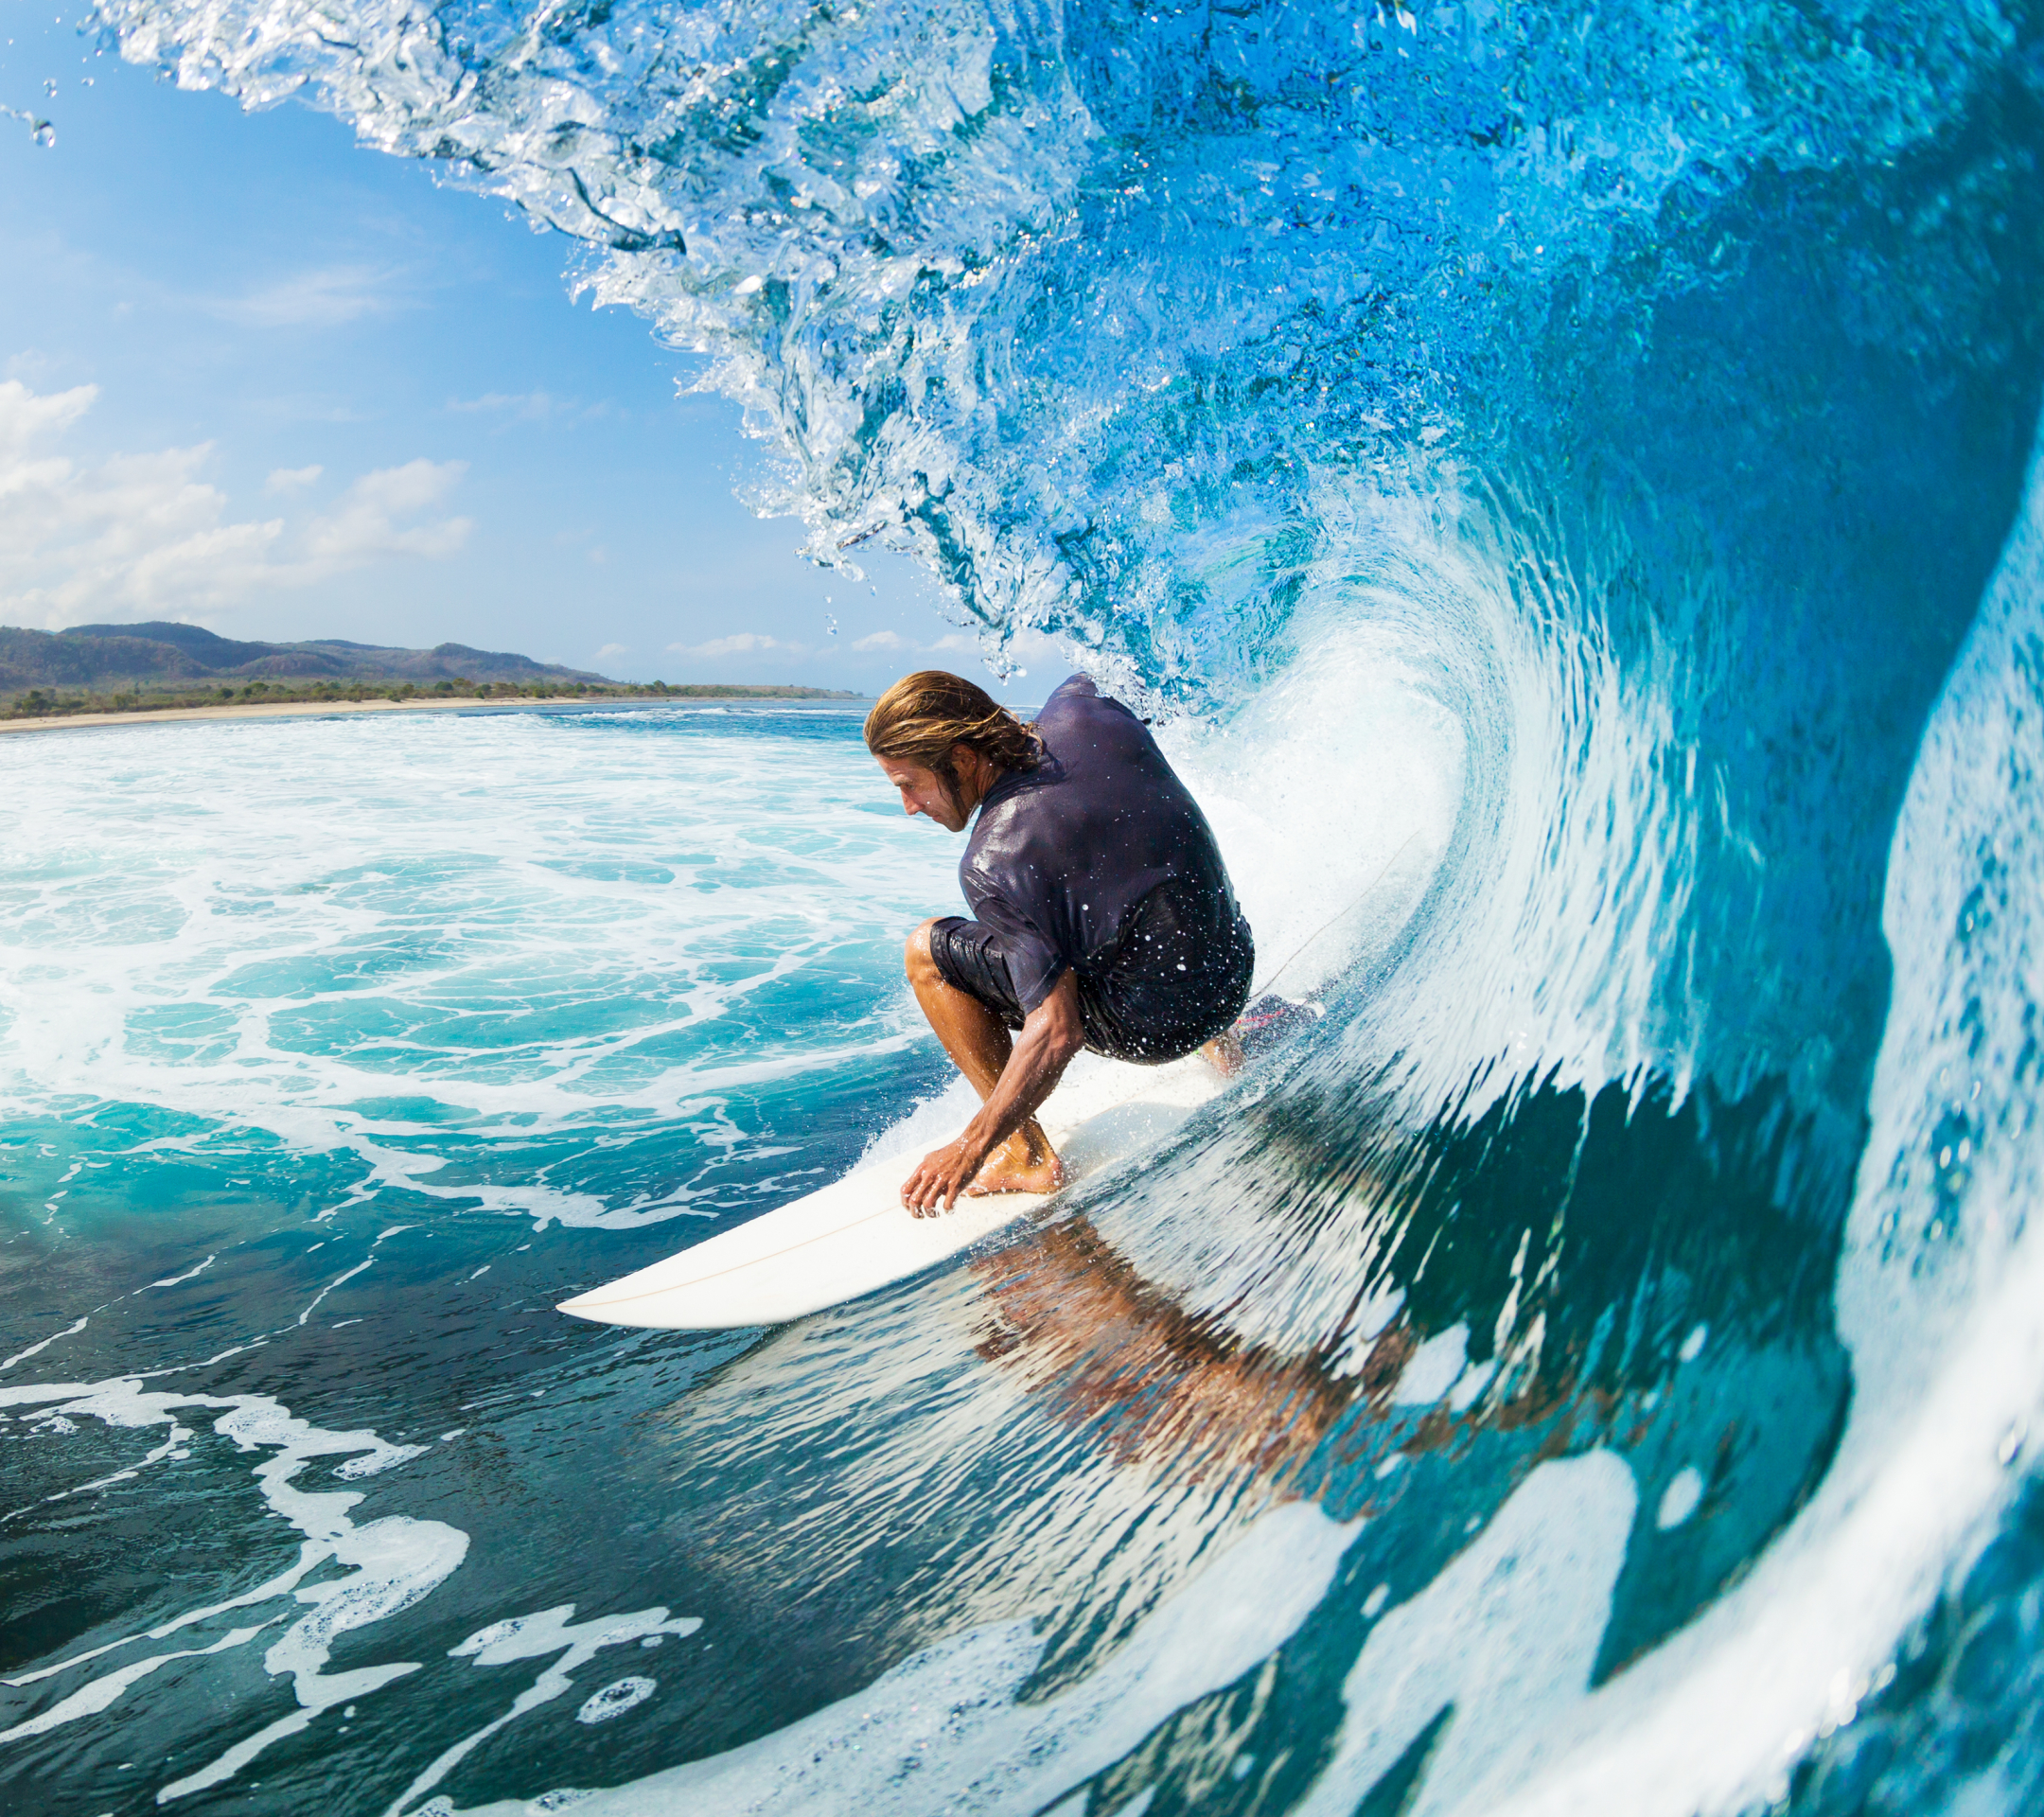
255,376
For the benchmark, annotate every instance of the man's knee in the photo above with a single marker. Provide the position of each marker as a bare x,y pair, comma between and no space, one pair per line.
916,955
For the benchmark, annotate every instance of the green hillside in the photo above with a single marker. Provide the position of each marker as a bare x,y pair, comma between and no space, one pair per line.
99,668
158,655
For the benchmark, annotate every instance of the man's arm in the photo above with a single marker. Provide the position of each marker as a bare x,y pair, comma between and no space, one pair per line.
1052,1035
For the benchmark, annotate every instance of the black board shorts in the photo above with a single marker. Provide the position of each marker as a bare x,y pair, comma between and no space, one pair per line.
1177,975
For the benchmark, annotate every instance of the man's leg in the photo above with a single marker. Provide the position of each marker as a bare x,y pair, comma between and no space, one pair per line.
978,1043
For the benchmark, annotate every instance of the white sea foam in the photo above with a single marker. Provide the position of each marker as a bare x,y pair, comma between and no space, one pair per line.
526,930
615,1699
945,1730
92,1697
1506,1635
190,1273
551,1630
386,1564
40,1345
1334,793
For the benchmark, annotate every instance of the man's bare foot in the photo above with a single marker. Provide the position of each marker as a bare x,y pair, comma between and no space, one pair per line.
1223,1053
1019,1165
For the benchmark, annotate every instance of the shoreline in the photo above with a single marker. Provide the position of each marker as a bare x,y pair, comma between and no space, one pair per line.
329,709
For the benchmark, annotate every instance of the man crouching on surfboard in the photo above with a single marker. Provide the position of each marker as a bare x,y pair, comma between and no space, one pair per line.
1103,917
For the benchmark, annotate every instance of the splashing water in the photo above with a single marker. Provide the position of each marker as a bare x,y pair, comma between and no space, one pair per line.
1564,477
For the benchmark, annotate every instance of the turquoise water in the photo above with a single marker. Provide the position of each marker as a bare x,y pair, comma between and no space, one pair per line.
334,1053
1565,485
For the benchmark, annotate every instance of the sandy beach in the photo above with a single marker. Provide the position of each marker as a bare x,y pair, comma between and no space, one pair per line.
329,709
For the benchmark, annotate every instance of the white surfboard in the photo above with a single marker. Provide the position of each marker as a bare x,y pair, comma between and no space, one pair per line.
853,1236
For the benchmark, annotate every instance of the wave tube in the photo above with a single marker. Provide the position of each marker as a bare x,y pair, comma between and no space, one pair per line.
1560,470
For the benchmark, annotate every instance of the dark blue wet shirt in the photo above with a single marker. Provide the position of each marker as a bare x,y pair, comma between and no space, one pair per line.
1099,861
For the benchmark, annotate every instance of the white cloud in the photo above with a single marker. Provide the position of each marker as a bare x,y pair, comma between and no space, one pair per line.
146,536
24,417
29,364
534,407
738,644
291,478
527,406
1048,657
894,644
612,651
366,524
320,299
1028,650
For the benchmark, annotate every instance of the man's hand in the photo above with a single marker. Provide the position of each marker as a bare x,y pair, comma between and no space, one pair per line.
1051,1034
942,1174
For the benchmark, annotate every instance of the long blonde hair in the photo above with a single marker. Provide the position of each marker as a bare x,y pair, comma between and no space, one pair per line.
925,716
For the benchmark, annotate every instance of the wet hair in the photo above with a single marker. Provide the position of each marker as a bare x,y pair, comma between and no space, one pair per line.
924,717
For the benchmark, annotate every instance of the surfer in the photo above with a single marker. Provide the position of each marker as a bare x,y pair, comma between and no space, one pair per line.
1103,915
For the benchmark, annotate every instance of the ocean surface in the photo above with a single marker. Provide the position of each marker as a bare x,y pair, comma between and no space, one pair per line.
1563,482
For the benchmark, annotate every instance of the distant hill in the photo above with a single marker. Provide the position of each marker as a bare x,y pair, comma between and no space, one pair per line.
162,655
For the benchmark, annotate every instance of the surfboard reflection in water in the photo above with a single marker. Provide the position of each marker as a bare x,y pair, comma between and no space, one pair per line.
1056,1431
1597,1369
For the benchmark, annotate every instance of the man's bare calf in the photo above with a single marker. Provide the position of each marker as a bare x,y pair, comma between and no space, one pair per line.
990,1157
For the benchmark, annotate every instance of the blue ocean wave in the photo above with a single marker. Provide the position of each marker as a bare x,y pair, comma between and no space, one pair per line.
1565,478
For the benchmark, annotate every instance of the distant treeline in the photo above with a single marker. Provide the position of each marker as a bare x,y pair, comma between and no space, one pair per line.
48,704
141,668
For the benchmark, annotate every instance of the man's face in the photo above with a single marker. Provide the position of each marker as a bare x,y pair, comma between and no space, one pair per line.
923,791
